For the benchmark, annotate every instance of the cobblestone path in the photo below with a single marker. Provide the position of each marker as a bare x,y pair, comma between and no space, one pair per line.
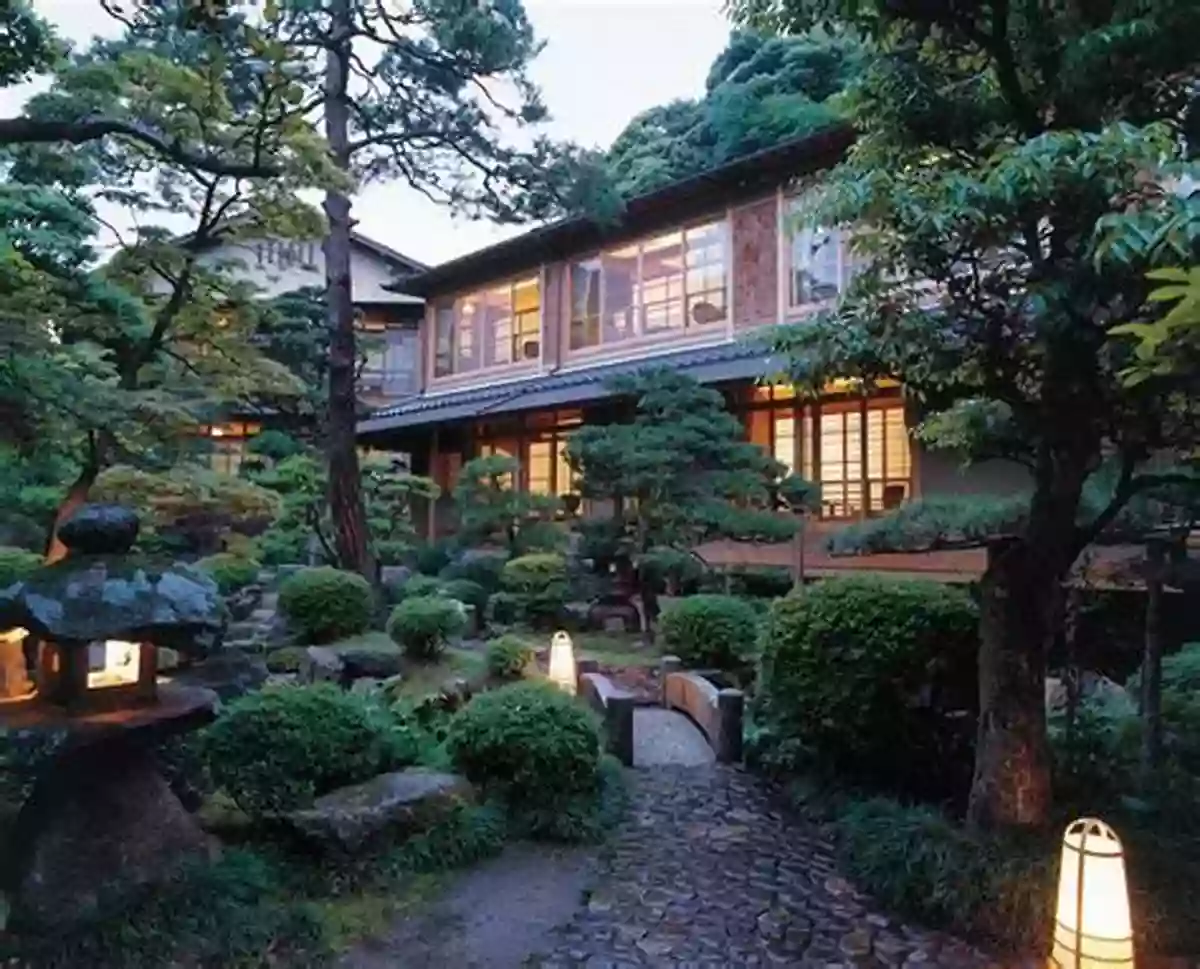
705,874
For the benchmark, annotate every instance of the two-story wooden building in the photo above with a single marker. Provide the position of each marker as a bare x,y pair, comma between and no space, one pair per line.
519,340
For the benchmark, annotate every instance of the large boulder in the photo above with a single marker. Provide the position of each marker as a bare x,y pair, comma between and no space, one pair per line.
390,807
230,674
374,664
320,664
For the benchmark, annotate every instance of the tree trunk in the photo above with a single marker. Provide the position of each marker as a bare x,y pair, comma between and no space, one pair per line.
1020,598
1151,698
346,507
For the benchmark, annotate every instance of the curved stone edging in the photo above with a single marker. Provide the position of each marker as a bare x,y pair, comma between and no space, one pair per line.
615,706
716,711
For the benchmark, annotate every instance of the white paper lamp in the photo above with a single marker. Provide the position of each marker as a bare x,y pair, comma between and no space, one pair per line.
562,662
1092,928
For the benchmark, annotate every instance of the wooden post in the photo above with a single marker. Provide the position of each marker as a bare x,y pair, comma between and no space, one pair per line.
1151,695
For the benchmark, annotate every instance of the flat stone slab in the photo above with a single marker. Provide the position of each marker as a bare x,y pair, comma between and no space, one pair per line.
395,805
664,737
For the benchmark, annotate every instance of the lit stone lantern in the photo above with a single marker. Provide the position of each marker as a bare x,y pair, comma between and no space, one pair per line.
562,662
101,613
1092,928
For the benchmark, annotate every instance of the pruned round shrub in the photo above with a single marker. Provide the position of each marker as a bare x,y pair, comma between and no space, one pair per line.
324,604
423,625
529,744
16,565
534,573
874,678
431,558
278,749
420,585
479,565
230,571
465,591
709,630
509,658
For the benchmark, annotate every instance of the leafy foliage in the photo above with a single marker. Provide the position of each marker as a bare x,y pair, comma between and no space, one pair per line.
1019,170
509,658
278,749
679,474
230,571
324,603
710,631
872,677
535,588
16,565
491,510
760,91
530,745
423,625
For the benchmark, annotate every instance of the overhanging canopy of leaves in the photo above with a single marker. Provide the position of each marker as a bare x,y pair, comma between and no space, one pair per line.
681,472
1022,162
760,91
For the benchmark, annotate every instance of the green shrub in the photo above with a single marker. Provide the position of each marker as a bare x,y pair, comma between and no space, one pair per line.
286,659
466,591
529,744
509,658
479,565
762,582
420,585
874,678
230,571
422,625
919,863
534,573
278,749
16,565
505,608
431,557
324,604
709,630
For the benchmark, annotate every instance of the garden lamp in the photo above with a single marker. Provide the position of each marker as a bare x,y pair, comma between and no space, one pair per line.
1092,927
562,662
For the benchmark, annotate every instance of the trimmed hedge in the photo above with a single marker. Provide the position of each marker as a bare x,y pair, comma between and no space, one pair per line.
509,658
278,749
709,630
324,604
423,625
876,679
530,745
230,571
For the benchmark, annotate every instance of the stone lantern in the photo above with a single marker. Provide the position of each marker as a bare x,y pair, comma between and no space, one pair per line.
101,822
101,613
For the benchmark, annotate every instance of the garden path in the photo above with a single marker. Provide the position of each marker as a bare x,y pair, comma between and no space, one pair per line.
704,873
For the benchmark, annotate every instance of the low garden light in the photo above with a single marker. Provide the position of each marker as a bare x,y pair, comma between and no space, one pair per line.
562,662
1092,928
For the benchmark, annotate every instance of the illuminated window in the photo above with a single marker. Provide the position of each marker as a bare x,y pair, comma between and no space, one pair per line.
504,447
540,467
858,451
668,284
228,444
492,328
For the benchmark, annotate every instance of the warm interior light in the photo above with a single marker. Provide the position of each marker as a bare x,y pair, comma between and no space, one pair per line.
16,634
113,662
562,662
1092,929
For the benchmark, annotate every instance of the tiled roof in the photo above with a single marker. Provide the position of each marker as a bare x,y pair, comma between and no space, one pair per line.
708,364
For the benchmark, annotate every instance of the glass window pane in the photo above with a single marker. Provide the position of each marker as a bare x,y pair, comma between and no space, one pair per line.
527,320
785,440
565,479
466,355
706,262
815,273
496,313
620,273
585,304
443,354
662,283
539,465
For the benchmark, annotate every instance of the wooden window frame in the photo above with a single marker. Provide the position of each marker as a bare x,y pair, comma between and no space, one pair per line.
638,331
446,347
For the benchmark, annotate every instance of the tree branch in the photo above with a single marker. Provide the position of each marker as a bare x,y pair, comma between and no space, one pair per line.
24,131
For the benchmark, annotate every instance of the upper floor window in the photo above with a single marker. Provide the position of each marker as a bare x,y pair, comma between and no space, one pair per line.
820,264
497,326
671,283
